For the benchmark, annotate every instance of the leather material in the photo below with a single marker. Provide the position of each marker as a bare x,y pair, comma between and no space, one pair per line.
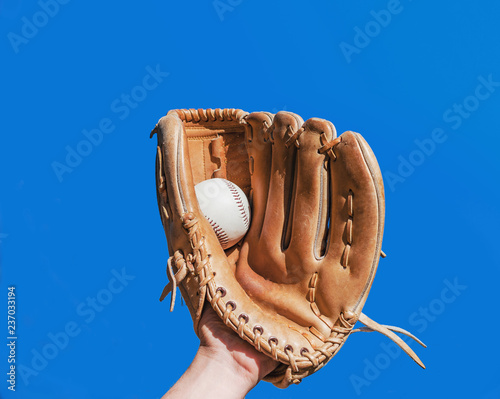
296,284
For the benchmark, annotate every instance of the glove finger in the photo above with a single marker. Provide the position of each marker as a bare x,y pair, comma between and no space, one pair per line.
259,151
356,227
311,195
176,164
273,237
178,179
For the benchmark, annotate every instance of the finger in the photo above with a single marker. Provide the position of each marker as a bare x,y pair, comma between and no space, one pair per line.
311,208
175,182
259,152
173,145
272,239
357,217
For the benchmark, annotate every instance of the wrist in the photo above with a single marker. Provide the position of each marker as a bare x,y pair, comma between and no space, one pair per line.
214,374
235,375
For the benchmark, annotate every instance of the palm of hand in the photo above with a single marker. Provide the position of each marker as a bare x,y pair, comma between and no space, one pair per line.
225,346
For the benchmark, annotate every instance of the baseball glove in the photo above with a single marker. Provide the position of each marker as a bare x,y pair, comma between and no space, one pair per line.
296,284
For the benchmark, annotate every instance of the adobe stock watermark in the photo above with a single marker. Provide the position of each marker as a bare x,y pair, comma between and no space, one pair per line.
453,117
420,319
222,7
48,9
120,108
363,36
86,312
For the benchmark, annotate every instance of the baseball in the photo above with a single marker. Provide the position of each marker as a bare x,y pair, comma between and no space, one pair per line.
226,208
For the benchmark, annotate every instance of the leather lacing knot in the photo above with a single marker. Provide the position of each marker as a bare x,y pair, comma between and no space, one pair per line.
293,137
328,146
189,220
348,320
267,132
196,264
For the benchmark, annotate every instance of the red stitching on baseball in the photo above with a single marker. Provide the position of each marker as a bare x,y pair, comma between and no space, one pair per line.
239,202
221,234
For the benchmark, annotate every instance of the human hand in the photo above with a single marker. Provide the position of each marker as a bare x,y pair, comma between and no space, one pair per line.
225,366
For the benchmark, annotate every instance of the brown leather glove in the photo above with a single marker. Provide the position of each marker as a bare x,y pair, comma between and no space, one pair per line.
296,284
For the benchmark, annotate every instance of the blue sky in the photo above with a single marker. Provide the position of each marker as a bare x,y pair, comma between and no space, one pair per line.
82,84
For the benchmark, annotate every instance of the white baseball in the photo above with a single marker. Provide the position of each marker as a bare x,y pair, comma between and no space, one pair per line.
226,208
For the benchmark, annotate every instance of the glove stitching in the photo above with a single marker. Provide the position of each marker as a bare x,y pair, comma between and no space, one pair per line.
211,115
311,296
348,230
328,146
293,137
